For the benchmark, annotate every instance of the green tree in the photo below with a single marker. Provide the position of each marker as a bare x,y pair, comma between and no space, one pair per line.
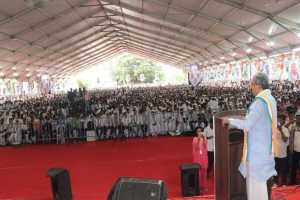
131,69
180,77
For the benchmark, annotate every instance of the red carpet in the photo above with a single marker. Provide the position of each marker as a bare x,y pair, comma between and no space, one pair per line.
287,193
94,167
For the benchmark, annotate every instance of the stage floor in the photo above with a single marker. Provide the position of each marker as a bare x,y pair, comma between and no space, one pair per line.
95,166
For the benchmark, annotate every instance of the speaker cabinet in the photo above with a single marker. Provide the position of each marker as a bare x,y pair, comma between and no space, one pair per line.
138,189
190,179
60,182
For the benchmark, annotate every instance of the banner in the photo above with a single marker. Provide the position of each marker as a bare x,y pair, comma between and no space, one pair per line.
281,67
194,74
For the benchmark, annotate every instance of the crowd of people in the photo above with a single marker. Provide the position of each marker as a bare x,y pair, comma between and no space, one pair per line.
124,113
119,113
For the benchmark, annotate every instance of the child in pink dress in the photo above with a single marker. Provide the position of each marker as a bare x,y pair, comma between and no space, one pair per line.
200,157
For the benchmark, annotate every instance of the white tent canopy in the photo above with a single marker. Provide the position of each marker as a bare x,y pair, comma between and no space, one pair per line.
61,37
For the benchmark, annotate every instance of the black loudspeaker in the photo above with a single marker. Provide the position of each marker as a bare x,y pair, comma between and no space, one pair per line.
190,179
127,188
60,182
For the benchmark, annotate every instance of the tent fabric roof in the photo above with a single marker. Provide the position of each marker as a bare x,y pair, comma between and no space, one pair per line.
61,37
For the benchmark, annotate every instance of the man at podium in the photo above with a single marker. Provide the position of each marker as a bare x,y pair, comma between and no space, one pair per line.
259,126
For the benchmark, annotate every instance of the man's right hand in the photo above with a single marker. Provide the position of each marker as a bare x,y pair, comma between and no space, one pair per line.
225,122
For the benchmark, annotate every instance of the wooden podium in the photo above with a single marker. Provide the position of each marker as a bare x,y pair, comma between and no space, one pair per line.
229,183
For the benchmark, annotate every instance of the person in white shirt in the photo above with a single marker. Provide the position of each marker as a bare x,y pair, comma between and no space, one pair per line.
179,122
172,122
151,122
294,147
290,118
2,133
160,122
14,134
166,116
126,122
213,105
281,162
210,136
102,119
134,125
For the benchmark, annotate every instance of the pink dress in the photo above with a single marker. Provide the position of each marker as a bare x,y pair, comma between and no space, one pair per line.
200,157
